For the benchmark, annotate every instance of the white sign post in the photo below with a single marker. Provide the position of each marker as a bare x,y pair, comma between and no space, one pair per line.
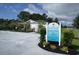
53,32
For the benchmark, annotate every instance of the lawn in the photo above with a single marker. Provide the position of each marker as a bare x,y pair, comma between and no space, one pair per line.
75,41
76,31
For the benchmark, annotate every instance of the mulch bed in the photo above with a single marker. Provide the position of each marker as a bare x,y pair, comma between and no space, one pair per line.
71,51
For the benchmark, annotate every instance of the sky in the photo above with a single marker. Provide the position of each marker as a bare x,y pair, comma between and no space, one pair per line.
64,11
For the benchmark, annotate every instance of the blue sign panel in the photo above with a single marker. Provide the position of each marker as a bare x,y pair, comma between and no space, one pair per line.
53,32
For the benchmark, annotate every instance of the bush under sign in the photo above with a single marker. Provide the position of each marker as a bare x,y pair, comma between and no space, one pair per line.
54,32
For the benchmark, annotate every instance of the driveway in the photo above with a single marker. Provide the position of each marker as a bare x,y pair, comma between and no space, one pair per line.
19,43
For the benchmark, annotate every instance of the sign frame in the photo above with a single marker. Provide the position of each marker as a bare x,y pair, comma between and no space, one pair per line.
59,42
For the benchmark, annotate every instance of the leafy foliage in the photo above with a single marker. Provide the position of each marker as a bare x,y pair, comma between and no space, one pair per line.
38,17
49,20
68,37
76,22
23,15
42,32
27,27
56,20
64,48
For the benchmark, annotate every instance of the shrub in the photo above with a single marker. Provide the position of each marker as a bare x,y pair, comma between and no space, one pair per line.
20,27
27,27
68,37
42,32
39,27
44,43
64,48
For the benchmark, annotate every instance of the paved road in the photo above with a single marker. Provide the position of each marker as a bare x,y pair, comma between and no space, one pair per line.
18,43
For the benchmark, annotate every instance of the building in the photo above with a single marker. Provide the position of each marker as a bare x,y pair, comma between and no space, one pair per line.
34,25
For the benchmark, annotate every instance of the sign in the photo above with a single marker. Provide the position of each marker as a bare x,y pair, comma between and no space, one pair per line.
53,32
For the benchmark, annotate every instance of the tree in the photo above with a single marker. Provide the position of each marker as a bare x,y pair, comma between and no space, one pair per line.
76,22
44,17
23,15
49,20
56,20
37,17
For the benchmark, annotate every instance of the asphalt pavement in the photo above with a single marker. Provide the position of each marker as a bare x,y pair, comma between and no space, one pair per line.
20,43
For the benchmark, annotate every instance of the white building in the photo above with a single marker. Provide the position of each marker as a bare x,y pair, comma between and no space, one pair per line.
33,25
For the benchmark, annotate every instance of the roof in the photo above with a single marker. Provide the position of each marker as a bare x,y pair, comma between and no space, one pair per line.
33,22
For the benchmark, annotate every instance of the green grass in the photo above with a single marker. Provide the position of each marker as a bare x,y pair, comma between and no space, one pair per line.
76,32
75,42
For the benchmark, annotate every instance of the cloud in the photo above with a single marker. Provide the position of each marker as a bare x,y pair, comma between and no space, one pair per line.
52,10
65,10
15,11
10,8
54,15
67,23
33,9
29,10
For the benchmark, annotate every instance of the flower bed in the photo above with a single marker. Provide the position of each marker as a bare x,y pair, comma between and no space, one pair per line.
59,49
